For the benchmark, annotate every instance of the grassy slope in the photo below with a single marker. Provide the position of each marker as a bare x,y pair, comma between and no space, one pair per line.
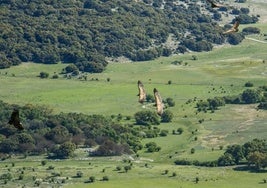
219,68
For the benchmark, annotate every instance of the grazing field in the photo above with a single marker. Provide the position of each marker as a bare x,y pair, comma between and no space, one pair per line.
224,71
144,174
200,76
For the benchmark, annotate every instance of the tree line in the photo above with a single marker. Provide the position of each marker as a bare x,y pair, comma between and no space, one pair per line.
86,32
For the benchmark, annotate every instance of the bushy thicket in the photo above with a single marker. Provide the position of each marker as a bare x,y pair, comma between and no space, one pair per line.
58,135
85,32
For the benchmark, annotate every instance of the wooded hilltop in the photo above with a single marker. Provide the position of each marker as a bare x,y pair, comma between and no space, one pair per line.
87,32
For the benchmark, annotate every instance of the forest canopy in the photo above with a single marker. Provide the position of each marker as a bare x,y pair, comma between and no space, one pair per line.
87,32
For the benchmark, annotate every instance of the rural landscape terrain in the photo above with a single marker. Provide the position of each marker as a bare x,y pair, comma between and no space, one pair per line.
83,124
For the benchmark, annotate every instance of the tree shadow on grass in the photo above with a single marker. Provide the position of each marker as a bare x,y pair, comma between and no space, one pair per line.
249,169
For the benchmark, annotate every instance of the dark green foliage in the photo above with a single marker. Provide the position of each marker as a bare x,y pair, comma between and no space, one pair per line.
43,163
163,132
65,150
253,146
70,68
250,96
6,176
210,104
197,179
244,10
216,102
167,116
195,163
233,99
85,32
248,84
44,75
251,30
146,118
92,179
79,174
236,151
254,152
246,19
127,168
170,102
150,98
235,38
59,134
105,178
180,130
152,147
198,46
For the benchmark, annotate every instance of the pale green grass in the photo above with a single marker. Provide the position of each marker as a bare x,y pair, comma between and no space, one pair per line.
138,177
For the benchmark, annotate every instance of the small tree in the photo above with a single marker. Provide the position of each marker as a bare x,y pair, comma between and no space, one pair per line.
71,68
152,147
91,179
197,179
166,116
180,130
170,102
163,132
21,176
105,178
44,75
43,163
248,84
127,168
79,174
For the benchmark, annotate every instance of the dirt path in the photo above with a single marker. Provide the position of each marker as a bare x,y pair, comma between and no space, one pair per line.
256,40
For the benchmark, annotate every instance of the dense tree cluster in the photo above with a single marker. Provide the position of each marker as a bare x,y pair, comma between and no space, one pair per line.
254,152
85,32
58,135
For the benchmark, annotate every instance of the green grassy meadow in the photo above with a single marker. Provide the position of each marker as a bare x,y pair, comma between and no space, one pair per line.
223,71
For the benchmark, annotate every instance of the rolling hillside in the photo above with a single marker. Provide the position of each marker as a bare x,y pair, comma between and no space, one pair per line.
72,118
89,33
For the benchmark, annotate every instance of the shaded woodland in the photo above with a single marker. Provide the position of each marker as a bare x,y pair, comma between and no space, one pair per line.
58,135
